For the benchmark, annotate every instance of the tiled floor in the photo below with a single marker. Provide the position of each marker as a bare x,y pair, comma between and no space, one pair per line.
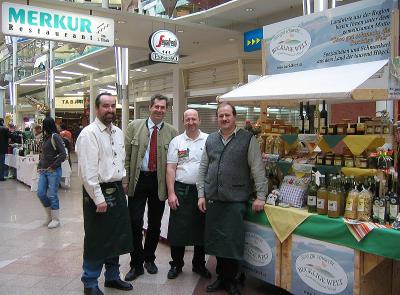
36,260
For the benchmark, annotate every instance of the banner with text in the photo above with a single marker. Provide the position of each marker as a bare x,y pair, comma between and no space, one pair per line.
259,252
348,34
321,268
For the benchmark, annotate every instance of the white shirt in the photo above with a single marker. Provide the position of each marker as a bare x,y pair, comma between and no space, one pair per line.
101,157
186,153
145,162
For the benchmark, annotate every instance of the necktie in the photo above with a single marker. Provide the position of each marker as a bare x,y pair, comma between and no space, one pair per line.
153,150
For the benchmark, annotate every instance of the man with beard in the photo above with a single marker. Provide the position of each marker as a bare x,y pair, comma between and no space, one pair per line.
146,146
186,222
230,159
101,155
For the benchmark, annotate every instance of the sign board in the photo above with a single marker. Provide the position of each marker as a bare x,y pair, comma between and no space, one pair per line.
259,252
252,40
394,78
164,45
321,268
42,23
70,103
348,34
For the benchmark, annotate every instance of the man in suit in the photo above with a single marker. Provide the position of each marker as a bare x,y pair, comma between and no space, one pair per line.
146,146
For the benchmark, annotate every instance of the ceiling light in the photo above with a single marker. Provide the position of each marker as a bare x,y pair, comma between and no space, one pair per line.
32,84
202,22
121,21
88,66
249,9
40,80
180,31
73,94
72,73
58,81
63,77
231,39
196,42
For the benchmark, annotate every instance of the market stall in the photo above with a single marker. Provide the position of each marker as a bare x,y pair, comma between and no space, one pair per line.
341,244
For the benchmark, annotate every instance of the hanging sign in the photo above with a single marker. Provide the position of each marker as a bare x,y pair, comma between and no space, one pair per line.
352,33
42,23
164,45
252,40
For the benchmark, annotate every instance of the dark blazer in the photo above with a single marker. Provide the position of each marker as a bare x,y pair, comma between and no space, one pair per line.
4,136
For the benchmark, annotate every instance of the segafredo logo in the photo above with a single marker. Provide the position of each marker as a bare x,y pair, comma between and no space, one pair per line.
165,46
290,43
37,22
256,250
321,273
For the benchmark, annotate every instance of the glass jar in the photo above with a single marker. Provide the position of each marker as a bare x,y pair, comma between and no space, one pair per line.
349,161
378,128
351,129
329,160
332,129
320,159
338,161
360,128
341,129
275,128
323,130
386,128
370,127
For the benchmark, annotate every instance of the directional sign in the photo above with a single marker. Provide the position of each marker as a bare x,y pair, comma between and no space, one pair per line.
252,40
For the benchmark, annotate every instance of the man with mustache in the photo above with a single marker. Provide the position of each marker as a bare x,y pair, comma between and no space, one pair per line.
101,155
146,146
230,160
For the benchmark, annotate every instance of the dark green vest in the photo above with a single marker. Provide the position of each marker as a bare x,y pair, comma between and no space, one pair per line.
228,175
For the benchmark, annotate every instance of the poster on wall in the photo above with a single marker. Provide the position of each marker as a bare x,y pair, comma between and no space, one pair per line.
348,34
321,268
259,252
394,78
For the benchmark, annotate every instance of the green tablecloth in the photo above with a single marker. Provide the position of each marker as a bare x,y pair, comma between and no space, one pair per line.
382,242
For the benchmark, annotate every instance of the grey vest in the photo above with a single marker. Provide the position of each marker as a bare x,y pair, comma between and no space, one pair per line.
228,175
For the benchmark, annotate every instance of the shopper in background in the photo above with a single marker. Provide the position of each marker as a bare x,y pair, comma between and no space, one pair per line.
230,159
27,134
146,145
66,134
49,168
186,221
4,136
37,132
101,154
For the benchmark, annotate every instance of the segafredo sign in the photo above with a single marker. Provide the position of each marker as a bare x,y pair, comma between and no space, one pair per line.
165,46
37,22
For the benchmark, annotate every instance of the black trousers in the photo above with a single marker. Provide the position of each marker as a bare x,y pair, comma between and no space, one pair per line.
227,269
178,252
146,191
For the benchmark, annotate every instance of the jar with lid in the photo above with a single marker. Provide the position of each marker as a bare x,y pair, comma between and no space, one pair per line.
360,128
329,159
386,128
378,128
320,159
332,129
370,127
361,162
323,130
351,129
341,128
348,161
338,160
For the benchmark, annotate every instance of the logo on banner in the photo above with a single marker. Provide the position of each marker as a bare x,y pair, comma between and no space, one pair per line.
165,46
290,43
321,273
257,251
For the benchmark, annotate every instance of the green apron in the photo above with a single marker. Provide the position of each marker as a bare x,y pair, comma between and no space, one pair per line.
224,232
186,223
107,234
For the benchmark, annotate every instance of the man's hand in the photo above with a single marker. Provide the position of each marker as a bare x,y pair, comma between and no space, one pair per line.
201,203
173,201
101,208
258,205
125,187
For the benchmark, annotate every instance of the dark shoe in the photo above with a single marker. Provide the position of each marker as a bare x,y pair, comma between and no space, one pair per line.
216,286
92,291
202,271
151,267
233,289
174,272
134,273
118,284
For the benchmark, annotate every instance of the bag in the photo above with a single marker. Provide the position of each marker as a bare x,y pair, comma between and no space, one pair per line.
293,190
53,143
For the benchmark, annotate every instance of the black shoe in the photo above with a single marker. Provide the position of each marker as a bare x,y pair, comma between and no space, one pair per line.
202,271
134,273
151,267
233,289
92,291
216,286
174,272
118,284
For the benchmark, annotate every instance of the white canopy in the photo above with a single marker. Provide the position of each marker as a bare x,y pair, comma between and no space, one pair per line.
333,82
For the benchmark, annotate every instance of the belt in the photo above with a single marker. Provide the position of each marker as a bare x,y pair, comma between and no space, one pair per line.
110,184
185,184
148,173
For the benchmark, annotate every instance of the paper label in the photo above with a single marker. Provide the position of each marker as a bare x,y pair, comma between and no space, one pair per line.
312,200
320,203
332,205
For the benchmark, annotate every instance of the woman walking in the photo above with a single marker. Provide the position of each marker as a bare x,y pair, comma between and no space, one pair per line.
49,168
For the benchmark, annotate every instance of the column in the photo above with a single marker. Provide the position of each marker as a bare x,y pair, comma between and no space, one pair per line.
122,72
2,94
50,81
93,94
12,84
104,3
320,5
179,99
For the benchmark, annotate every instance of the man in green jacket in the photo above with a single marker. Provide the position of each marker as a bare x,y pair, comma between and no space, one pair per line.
146,146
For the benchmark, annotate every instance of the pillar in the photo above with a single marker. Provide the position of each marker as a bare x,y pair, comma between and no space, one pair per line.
104,3
93,94
179,99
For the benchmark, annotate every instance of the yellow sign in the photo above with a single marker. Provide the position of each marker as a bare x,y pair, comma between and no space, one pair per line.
252,41
69,102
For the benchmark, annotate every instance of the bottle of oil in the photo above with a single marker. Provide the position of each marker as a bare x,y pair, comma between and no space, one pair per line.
333,199
322,197
312,195
394,200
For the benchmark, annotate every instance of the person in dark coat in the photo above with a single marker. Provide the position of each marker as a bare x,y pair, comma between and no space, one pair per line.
4,136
